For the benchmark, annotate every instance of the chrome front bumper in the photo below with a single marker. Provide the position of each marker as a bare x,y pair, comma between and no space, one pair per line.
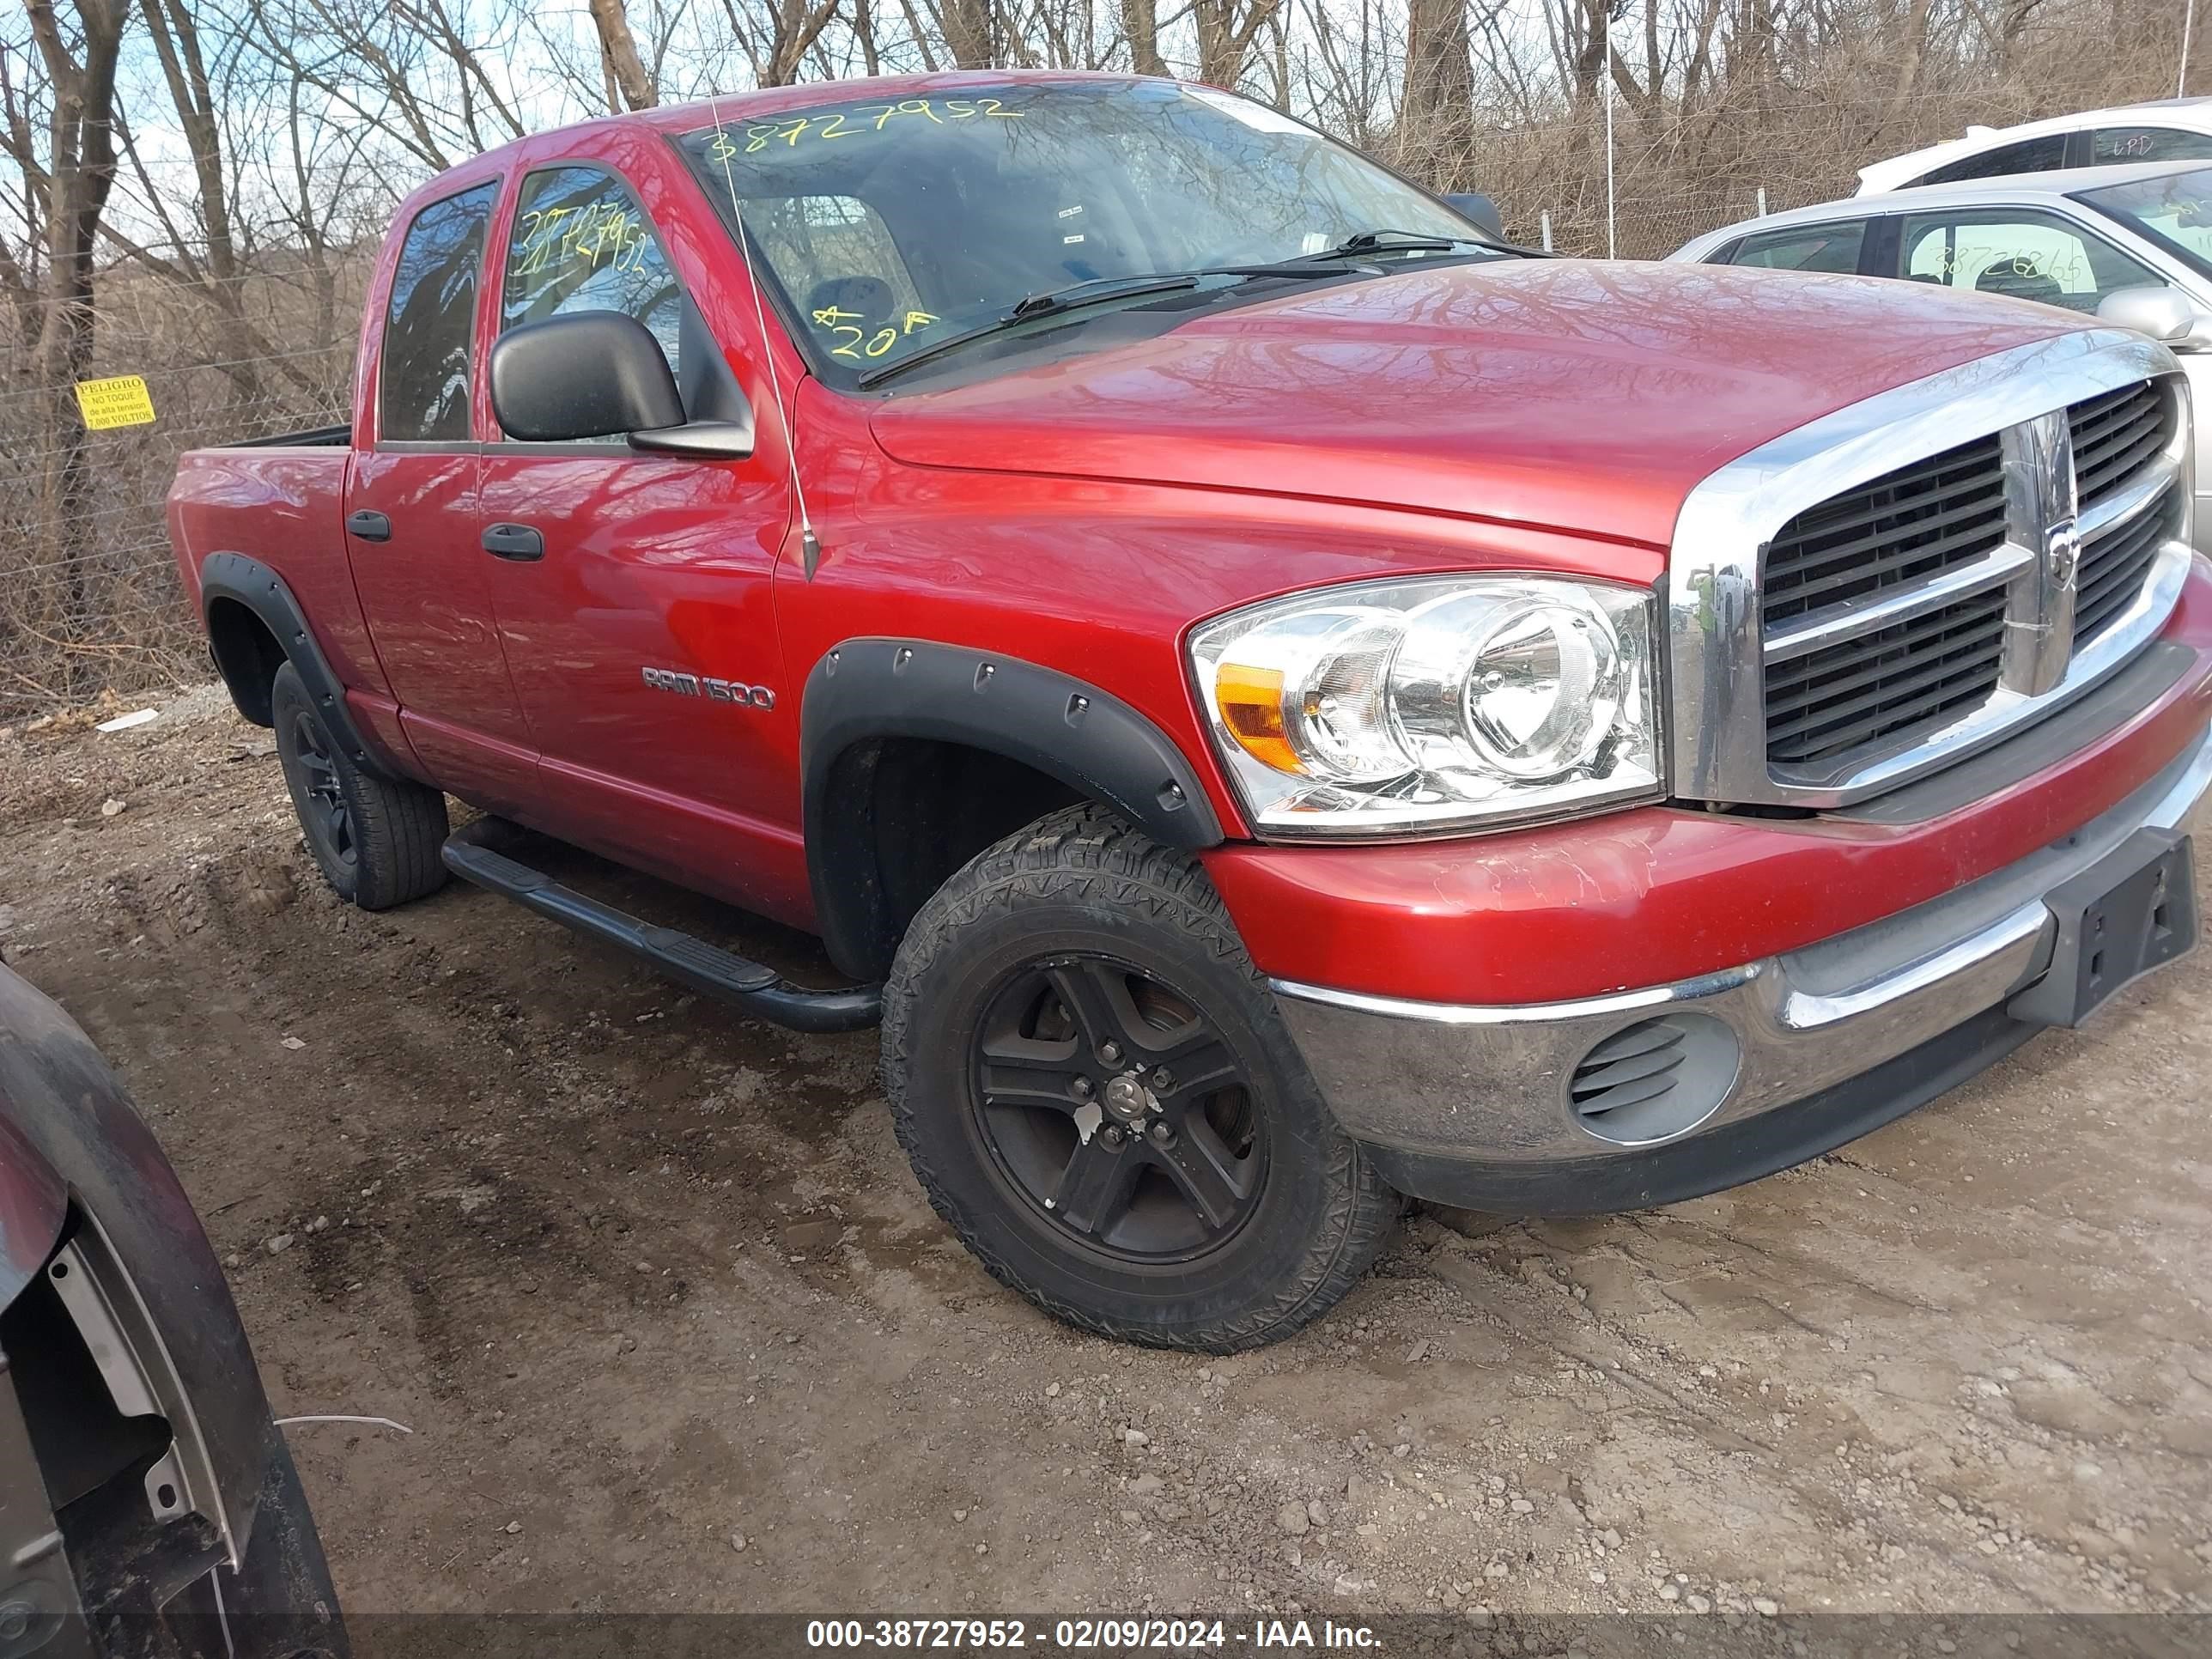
1425,1084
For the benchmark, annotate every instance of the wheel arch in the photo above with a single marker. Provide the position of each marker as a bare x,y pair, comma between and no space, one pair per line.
66,1120
914,756
256,625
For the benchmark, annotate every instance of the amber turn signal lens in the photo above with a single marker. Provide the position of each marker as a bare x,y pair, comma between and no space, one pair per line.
1251,704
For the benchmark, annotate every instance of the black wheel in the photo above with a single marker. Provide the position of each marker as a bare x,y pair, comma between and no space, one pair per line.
1097,1092
376,839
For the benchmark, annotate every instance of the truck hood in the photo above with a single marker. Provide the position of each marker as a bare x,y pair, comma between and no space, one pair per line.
1565,394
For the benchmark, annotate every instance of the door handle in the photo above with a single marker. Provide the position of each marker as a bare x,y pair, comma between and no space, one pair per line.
368,526
519,542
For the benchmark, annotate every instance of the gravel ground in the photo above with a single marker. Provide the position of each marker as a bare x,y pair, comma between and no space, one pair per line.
674,1330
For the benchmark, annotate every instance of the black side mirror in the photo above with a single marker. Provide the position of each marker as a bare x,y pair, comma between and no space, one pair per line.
588,374
1473,204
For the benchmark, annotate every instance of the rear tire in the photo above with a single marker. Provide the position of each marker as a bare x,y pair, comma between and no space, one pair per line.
1098,1093
376,839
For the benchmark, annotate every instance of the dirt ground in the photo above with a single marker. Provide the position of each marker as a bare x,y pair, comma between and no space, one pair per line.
672,1327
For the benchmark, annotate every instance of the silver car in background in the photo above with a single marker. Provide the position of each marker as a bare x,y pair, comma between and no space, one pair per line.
2130,245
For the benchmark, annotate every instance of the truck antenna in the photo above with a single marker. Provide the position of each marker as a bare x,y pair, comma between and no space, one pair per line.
810,545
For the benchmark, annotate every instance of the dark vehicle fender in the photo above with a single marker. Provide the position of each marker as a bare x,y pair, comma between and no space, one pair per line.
242,580
1088,740
68,1130
34,1202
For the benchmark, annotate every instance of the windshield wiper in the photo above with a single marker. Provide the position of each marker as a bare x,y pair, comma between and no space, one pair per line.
1052,301
1097,290
1387,241
1049,303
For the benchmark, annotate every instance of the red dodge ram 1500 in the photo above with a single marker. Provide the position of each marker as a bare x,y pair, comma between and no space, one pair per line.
1277,700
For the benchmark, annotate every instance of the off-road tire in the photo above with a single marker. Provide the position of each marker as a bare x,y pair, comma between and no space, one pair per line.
395,826
1084,879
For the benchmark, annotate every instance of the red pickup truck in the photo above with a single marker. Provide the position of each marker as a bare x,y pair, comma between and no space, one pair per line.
1275,699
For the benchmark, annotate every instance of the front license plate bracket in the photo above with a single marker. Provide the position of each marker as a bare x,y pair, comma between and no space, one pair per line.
2133,910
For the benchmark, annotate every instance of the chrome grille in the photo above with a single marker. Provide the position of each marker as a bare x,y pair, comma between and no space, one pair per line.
1885,608
2114,565
1916,672
1906,527
2115,435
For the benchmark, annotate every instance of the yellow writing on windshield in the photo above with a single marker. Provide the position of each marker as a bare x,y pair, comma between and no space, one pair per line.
599,233
856,342
853,124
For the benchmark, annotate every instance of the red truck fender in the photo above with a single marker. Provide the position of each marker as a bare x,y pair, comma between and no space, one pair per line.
867,689
241,651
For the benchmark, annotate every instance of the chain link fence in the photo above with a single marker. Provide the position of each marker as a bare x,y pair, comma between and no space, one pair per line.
90,608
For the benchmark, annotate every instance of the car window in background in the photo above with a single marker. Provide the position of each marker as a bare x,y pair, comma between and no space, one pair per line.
2029,156
581,243
1830,247
2173,211
422,379
2109,146
2021,254
917,219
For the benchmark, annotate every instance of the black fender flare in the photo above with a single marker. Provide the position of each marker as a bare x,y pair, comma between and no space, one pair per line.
68,1123
867,688
247,582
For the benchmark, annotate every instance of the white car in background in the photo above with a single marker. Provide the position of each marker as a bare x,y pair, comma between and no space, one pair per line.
2168,129
2132,245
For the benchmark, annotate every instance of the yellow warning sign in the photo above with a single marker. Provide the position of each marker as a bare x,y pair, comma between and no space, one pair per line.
120,401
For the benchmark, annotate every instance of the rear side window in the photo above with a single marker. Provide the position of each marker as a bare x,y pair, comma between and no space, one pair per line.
2029,156
423,385
2021,253
581,243
1833,248
2112,145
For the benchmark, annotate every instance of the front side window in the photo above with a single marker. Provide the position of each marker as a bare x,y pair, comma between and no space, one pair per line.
867,299
2173,211
2029,156
2110,146
891,226
2021,254
1833,248
581,243
422,382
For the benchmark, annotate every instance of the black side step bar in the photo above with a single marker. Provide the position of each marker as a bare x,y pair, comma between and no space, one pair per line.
755,987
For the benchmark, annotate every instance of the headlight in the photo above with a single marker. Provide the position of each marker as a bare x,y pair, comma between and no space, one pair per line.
1452,702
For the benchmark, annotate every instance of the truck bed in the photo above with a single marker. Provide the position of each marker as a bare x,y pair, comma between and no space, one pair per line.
280,500
313,437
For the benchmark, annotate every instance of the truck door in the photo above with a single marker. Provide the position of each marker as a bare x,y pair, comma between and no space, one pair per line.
410,516
638,620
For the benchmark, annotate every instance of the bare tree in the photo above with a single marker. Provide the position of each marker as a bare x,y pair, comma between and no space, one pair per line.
777,35
1438,103
78,172
625,69
1226,32
1140,26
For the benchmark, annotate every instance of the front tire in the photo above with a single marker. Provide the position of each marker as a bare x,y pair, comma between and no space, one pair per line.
376,839
1097,1092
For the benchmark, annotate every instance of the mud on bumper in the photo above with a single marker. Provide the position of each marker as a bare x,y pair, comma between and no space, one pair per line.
1669,1091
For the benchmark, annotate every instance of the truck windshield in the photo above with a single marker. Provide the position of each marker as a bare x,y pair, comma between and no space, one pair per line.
892,226
2173,210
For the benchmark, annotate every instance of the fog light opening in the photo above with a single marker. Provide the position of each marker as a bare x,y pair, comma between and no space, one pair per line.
1656,1079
